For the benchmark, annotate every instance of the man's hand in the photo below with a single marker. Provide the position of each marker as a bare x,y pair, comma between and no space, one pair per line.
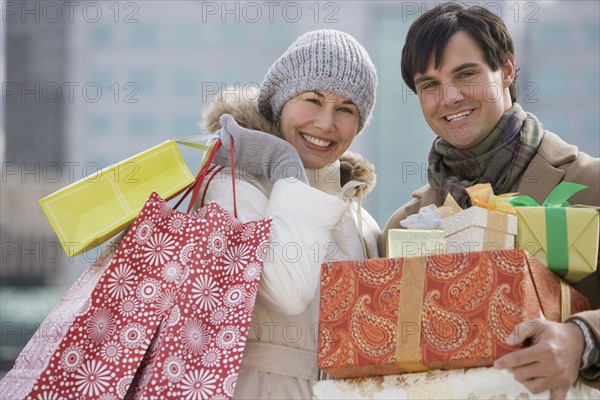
552,359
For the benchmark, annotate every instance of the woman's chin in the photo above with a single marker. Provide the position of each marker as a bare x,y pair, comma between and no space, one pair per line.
316,163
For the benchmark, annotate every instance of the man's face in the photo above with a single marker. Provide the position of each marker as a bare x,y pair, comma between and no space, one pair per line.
463,100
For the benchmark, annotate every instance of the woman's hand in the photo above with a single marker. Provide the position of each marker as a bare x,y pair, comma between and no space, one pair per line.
258,153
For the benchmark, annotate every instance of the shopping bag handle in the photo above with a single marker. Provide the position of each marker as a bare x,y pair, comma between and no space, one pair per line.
196,141
214,170
207,168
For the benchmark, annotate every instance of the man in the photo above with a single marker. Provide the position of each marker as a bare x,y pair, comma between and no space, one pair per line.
460,62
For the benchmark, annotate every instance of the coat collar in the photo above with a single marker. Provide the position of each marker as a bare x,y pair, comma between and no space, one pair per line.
326,179
552,153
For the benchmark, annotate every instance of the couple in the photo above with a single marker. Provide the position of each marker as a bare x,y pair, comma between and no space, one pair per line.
290,147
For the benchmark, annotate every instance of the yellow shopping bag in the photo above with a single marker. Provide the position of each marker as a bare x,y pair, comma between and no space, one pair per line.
86,213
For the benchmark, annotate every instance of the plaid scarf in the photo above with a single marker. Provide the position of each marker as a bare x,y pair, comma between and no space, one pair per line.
499,159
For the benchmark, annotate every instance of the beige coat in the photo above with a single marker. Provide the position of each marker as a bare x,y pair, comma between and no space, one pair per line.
555,162
591,376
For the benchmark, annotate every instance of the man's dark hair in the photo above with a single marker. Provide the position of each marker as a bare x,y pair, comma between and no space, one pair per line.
430,33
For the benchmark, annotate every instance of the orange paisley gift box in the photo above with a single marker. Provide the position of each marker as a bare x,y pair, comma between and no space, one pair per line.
450,311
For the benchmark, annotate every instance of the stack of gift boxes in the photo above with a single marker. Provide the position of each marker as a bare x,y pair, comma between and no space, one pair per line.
440,307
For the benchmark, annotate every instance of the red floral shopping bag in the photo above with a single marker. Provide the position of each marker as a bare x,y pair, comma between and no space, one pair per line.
197,353
168,317
36,354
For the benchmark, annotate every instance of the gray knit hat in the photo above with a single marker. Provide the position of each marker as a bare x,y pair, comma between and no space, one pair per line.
320,60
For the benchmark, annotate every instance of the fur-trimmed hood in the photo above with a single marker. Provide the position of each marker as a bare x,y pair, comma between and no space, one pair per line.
241,105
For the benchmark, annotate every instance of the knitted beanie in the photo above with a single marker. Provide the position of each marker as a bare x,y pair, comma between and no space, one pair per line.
320,60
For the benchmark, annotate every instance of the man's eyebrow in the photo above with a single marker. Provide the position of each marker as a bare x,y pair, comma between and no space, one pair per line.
455,70
464,66
423,78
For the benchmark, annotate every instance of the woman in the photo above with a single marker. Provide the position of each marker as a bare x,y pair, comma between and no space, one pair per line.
317,97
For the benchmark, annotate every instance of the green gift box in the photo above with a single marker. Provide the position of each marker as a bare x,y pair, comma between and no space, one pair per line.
561,237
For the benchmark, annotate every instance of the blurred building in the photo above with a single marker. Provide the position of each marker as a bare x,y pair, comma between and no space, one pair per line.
559,51
33,148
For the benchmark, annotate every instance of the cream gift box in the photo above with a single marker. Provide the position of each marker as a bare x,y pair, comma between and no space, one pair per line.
479,229
474,383
414,242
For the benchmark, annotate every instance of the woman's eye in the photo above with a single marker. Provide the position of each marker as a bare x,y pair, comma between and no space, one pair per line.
314,101
346,109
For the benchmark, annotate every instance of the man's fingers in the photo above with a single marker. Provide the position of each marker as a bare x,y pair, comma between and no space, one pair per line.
524,331
536,385
528,372
559,394
521,358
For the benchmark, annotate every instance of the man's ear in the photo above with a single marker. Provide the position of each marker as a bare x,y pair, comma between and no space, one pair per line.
508,70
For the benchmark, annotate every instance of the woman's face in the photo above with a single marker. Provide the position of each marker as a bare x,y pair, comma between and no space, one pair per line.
320,125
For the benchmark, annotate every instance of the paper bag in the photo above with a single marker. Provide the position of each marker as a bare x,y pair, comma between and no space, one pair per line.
88,212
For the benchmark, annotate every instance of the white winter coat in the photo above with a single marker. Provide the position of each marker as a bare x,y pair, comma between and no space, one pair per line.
311,225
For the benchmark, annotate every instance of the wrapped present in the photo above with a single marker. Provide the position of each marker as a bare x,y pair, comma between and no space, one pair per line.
395,315
414,242
474,383
480,227
86,213
563,238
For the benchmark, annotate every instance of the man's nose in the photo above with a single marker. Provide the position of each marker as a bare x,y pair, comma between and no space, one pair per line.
452,93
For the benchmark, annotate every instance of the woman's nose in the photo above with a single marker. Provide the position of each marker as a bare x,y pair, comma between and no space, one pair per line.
324,121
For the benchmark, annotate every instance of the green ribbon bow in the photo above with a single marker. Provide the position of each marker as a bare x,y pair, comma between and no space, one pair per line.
556,223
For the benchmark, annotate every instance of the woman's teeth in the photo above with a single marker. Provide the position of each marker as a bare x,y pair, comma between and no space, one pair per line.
315,141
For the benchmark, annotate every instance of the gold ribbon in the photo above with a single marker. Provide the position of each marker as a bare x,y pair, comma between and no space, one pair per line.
565,300
497,226
450,207
412,287
482,195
